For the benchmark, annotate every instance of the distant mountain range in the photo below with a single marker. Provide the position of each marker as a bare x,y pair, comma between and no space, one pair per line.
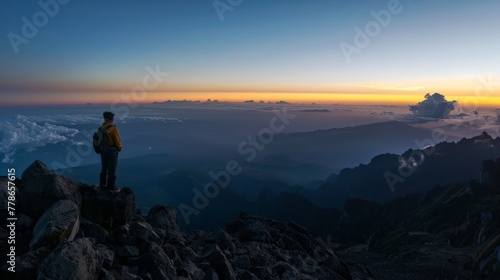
445,232
268,184
339,148
389,176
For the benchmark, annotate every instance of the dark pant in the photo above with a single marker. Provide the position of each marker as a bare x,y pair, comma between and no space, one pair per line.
109,161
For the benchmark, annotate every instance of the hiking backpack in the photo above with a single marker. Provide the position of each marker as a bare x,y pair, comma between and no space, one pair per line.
100,142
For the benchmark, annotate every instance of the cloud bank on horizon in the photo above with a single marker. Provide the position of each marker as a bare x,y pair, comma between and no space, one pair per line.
23,133
29,133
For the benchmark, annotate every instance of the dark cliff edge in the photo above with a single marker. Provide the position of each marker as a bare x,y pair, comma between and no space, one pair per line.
69,230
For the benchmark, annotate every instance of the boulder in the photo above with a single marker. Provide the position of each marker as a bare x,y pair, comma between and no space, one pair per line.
158,264
106,255
143,231
108,209
93,230
286,271
210,274
249,228
164,217
246,275
223,239
127,251
124,273
219,262
58,224
72,260
35,169
190,271
40,189
27,264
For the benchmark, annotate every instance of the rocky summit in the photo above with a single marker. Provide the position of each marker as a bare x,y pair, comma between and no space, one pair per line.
69,230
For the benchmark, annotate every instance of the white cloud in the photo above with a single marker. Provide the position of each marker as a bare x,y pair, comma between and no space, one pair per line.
24,133
79,119
31,132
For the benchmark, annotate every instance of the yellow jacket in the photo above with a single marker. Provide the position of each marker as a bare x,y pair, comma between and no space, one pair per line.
112,136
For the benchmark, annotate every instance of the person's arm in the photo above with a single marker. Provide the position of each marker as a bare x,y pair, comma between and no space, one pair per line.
115,138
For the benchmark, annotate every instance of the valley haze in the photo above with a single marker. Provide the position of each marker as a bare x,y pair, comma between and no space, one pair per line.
163,140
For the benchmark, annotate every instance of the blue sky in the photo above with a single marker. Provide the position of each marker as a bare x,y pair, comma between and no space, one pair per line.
260,46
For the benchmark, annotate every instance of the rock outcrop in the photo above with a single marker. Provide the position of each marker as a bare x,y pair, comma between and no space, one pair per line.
75,231
40,189
59,223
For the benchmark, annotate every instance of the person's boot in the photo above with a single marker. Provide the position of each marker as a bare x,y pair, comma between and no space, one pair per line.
111,184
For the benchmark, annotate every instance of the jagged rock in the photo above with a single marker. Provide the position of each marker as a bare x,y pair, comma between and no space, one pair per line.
116,242
156,262
59,223
39,191
286,271
27,264
105,274
110,210
223,239
72,260
247,228
35,169
144,231
210,274
190,271
164,217
127,251
174,237
487,260
93,230
263,272
246,275
219,262
107,256
188,253
123,273
173,254
242,262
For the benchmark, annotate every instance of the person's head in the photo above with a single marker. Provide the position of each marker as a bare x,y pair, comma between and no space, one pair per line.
108,116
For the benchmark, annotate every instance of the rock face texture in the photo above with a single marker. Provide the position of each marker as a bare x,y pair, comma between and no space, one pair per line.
58,224
74,231
69,230
40,190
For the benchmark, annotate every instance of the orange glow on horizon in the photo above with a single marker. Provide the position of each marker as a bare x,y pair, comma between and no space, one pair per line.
304,98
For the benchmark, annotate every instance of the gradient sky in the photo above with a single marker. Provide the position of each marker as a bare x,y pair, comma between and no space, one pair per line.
96,51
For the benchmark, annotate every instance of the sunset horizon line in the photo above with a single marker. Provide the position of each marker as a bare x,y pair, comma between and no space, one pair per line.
346,99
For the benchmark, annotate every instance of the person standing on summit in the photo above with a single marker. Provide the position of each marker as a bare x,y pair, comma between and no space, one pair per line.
109,159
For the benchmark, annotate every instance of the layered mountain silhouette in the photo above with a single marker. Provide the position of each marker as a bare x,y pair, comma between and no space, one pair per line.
79,232
347,146
389,176
439,221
